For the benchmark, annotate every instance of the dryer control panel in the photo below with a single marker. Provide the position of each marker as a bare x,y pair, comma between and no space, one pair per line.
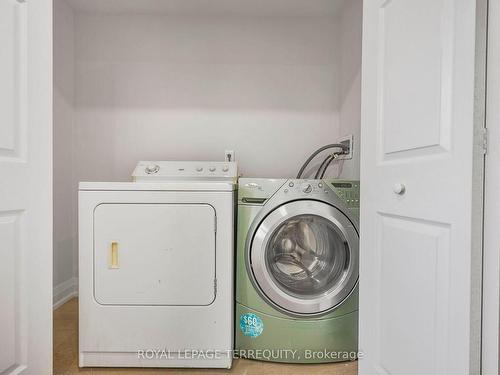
186,171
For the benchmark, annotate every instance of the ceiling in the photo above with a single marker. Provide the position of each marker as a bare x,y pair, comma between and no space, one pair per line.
213,7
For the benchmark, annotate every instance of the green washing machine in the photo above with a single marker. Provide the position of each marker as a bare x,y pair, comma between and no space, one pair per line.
297,270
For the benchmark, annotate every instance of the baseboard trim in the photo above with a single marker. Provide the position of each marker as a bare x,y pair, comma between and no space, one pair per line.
160,359
64,291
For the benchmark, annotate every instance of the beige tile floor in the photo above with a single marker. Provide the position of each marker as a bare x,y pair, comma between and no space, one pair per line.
66,356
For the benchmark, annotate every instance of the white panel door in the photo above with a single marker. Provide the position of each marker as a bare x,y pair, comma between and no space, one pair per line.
416,188
25,187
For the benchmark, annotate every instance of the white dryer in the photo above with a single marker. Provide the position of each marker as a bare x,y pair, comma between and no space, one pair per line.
156,267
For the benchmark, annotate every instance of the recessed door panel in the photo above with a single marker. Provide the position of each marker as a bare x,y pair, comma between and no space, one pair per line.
413,279
12,308
13,78
414,76
154,254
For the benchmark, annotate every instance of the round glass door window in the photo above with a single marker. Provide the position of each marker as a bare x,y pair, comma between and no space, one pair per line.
307,255
304,257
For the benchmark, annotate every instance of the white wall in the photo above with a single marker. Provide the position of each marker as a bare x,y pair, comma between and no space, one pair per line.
136,87
189,87
350,20
64,183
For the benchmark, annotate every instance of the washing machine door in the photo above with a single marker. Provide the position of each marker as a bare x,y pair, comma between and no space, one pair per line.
304,257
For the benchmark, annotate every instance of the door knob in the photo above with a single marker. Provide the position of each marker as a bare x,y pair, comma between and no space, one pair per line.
399,189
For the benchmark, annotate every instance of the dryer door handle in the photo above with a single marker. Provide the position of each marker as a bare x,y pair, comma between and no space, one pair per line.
113,261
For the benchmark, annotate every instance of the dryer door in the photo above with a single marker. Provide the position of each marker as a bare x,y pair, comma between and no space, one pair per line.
154,254
304,257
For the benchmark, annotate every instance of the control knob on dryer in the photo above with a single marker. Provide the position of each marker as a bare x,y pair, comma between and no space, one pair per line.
152,169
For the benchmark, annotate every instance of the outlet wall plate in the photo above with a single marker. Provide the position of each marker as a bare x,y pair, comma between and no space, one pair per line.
347,140
229,155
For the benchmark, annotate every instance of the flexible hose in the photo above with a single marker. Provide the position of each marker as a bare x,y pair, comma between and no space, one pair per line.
334,157
321,149
323,163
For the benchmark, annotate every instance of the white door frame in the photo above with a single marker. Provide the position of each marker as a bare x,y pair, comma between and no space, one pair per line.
491,255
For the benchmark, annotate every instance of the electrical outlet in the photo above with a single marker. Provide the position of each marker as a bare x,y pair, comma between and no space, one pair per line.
229,155
348,141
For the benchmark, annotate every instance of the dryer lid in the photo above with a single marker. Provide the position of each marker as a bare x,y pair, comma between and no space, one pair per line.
171,186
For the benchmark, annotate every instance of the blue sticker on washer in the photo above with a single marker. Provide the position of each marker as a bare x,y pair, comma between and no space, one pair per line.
251,325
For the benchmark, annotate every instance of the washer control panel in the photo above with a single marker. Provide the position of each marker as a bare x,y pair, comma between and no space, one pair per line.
347,190
185,171
305,187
